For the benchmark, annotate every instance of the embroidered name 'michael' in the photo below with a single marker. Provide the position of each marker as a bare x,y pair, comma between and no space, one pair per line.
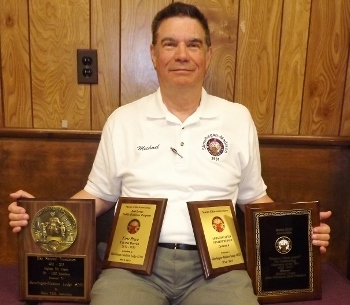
148,147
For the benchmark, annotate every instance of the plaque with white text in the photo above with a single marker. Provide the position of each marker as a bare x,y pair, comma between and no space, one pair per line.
135,233
217,236
57,250
281,260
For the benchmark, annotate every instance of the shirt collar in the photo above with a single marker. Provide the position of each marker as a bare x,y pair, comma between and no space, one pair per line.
206,110
156,108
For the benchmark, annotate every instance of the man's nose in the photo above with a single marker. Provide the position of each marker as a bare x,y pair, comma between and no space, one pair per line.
181,52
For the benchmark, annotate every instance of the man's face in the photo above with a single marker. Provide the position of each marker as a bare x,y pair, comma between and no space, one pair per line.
180,55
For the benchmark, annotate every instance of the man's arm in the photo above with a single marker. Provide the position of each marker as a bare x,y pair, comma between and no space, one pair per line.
19,218
263,199
101,206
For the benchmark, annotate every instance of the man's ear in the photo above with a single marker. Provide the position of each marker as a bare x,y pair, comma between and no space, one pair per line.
153,55
209,56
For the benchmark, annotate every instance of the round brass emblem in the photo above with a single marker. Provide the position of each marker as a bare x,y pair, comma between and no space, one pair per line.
54,228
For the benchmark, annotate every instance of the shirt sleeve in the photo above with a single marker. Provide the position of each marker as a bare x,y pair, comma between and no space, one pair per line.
251,186
103,181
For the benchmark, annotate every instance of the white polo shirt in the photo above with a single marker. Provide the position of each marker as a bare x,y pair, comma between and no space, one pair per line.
219,158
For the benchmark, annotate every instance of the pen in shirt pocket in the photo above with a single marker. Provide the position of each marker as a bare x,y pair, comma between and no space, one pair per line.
175,151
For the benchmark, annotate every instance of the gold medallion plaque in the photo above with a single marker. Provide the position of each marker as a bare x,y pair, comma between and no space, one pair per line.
216,232
57,250
282,262
54,228
135,233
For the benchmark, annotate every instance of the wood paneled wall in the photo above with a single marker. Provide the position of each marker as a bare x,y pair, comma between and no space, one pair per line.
286,60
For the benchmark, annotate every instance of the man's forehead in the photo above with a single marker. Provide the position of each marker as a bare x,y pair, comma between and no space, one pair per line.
176,25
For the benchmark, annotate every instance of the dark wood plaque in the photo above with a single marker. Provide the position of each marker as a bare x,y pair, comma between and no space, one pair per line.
57,250
217,235
135,233
282,262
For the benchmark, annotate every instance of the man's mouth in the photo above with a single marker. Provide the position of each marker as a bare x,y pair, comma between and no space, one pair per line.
181,70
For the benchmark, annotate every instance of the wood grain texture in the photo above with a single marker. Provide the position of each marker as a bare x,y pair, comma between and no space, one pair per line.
84,227
59,167
15,69
257,59
57,29
326,68
222,17
291,71
345,122
47,168
105,37
1,103
306,173
138,77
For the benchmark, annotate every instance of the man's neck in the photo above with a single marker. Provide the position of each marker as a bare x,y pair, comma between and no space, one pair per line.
182,103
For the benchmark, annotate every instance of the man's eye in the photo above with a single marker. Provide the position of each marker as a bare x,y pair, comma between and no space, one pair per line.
194,45
169,44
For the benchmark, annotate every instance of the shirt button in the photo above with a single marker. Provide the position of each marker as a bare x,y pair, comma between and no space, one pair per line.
182,143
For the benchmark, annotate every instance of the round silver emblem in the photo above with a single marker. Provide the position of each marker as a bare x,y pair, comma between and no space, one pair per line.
283,244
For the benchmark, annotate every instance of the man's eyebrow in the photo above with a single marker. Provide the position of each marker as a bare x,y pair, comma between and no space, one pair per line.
196,40
192,40
167,39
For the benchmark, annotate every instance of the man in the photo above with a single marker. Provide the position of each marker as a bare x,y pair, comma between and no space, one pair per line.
182,144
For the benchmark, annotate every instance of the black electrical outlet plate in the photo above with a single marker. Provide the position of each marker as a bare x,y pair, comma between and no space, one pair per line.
87,67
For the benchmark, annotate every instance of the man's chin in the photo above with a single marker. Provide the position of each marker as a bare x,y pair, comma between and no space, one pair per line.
182,83
183,78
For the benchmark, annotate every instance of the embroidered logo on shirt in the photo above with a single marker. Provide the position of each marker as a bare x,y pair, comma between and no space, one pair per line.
216,145
149,147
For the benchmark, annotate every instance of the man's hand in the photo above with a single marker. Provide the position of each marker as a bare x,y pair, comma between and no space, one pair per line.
321,234
18,216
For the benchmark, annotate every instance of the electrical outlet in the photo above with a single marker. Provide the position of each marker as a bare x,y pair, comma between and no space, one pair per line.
87,66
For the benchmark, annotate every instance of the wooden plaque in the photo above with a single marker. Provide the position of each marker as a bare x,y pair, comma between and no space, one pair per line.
135,233
217,235
57,250
282,262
